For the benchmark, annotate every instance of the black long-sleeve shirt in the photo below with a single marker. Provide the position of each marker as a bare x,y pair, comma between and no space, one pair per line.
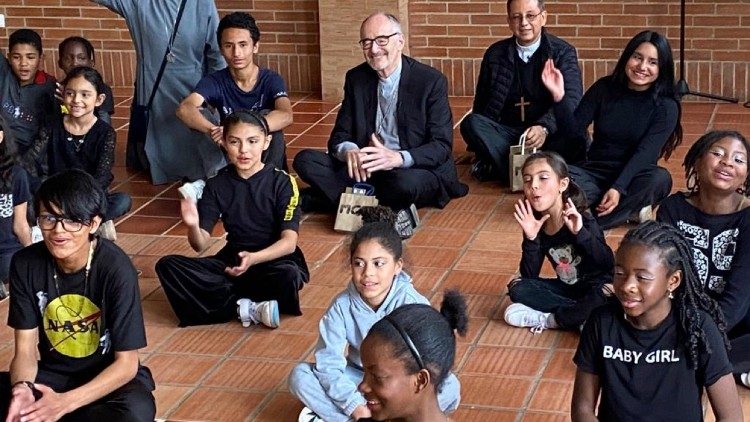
578,260
630,128
721,253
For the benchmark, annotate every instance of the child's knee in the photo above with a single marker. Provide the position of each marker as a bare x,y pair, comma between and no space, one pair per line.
301,375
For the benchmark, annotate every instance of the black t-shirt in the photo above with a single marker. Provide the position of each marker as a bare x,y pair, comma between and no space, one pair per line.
19,195
79,329
579,260
645,375
721,253
254,210
221,91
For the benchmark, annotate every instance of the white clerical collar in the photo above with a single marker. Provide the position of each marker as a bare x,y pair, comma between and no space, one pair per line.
526,51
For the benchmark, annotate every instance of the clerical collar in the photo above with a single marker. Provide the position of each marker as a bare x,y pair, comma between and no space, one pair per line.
526,51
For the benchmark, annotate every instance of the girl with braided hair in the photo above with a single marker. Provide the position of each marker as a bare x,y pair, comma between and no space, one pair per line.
714,215
652,352
378,286
408,355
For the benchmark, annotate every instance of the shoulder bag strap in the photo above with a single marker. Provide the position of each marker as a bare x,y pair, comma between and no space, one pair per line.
166,54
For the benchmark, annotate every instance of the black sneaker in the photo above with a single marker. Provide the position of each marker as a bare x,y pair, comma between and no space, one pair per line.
407,221
483,171
312,201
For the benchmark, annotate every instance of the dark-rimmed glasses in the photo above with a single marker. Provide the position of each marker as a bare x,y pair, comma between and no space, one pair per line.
530,17
49,222
381,41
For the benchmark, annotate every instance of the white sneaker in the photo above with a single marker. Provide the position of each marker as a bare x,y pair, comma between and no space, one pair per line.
36,234
645,214
192,190
266,313
745,379
307,415
520,315
107,230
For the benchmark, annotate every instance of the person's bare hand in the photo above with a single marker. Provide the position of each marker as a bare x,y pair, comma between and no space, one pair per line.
535,136
21,398
378,157
217,134
525,217
354,165
50,407
246,261
553,79
609,202
571,217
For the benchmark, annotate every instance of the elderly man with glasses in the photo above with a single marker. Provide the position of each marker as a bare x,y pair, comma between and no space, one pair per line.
510,98
393,131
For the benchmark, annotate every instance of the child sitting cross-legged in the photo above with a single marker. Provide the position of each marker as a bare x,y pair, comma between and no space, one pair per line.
259,273
557,225
379,285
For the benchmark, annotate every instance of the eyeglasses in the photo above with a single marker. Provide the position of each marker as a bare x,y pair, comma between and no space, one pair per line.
49,222
381,41
517,18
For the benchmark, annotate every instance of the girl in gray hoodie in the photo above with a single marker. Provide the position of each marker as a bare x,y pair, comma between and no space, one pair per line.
379,285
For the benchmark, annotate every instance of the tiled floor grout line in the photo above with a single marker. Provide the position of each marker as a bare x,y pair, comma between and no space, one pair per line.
550,352
334,109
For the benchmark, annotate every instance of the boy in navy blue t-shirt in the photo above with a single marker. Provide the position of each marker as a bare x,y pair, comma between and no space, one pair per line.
241,85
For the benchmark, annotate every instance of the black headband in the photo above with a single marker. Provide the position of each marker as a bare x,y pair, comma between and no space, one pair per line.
408,341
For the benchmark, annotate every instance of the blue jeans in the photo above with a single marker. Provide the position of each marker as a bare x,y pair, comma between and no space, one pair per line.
571,305
118,204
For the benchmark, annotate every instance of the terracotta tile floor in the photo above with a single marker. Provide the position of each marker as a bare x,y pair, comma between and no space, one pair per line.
227,373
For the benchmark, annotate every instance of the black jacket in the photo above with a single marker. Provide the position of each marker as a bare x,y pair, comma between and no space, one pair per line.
497,70
423,115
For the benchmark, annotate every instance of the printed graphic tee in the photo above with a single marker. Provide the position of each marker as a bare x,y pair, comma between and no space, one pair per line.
645,375
81,324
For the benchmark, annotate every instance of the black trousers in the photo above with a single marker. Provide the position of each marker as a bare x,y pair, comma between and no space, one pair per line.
397,188
570,305
133,402
275,155
491,143
200,292
648,187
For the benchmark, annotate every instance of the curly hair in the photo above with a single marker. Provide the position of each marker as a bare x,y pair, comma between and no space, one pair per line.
699,150
378,223
689,297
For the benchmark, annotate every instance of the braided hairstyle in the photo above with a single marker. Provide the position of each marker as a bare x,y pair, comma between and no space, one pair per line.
423,338
699,150
689,296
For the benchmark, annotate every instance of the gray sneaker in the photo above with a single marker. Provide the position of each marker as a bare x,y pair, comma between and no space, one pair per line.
107,230
407,220
192,190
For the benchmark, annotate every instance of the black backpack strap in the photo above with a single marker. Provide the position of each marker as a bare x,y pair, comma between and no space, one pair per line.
166,54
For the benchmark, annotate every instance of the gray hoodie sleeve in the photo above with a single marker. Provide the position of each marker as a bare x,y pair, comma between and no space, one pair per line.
330,361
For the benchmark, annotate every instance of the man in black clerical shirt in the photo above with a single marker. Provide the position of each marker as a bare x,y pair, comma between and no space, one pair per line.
510,98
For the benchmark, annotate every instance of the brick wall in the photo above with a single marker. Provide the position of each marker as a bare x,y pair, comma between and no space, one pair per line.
450,35
289,35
